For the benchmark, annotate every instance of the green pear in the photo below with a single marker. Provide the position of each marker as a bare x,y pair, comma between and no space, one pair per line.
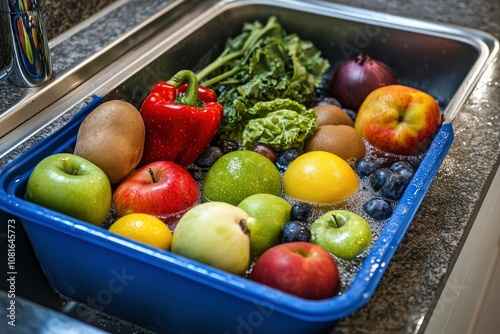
214,233
271,213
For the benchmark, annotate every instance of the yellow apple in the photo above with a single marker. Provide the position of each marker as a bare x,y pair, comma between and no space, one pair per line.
398,119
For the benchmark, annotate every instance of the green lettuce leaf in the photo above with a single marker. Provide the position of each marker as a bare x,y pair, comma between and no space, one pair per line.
280,124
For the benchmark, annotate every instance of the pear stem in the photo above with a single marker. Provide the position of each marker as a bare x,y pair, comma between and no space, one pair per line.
243,225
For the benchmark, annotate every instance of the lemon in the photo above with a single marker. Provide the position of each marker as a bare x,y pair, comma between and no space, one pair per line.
143,228
320,177
239,174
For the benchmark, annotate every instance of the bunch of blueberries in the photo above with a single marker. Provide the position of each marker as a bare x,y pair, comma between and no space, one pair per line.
296,229
390,183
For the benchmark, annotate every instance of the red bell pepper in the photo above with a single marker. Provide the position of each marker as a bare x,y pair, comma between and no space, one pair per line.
180,119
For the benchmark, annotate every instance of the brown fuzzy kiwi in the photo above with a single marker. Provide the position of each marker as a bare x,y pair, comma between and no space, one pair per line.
112,137
331,115
341,140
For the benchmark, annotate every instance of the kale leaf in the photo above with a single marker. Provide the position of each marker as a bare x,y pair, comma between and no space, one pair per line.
262,63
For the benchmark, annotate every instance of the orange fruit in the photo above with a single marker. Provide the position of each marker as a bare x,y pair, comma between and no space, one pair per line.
320,177
143,228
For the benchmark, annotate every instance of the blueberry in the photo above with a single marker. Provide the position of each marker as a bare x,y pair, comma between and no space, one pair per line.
294,231
404,168
378,208
285,158
209,156
227,145
407,174
365,166
378,178
394,186
301,212
398,165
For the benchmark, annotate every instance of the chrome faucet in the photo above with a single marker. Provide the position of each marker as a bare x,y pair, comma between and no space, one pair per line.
23,43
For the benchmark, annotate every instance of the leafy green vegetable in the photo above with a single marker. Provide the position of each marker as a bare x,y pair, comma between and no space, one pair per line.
263,63
280,124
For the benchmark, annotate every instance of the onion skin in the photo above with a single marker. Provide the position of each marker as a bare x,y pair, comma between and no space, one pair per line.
355,79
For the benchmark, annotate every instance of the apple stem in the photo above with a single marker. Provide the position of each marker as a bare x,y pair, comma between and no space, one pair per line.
335,221
152,175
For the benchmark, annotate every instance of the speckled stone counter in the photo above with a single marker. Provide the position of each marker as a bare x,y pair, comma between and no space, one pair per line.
60,16
413,281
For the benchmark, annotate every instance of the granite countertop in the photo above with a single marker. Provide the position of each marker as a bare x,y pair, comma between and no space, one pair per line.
409,290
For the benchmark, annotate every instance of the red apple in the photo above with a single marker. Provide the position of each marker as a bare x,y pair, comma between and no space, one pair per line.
161,188
398,119
299,268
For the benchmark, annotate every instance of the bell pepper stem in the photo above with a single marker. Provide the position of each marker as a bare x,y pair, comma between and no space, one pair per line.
191,96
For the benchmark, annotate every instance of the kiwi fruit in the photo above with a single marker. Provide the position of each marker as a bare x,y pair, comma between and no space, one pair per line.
329,114
112,137
341,140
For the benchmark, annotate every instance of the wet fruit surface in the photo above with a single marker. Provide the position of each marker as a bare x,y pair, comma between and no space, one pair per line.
365,166
285,158
320,177
341,140
405,169
295,231
209,156
394,186
301,212
143,228
239,174
378,208
271,213
378,178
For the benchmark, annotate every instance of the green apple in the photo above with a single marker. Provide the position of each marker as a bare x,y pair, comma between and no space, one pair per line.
342,233
72,185
239,174
271,213
214,233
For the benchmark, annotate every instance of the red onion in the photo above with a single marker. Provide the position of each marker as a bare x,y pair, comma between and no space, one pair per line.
355,79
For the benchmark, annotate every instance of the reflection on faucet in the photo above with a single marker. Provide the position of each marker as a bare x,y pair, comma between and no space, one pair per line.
23,43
